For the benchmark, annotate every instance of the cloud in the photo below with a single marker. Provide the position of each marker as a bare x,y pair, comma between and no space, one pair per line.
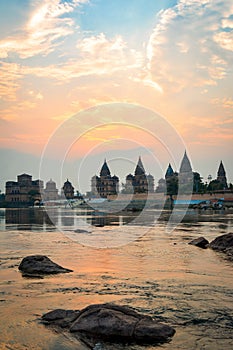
225,40
36,95
10,74
190,45
96,55
223,102
47,25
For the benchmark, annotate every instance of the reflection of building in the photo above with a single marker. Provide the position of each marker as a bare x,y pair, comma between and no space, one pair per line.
221,176
67,220
68,190
139,182
24,191
50,191
105,184
26,219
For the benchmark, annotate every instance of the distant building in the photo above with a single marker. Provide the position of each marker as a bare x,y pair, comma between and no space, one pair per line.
140,182
221,176
174,181
170,183
162,187
68,190
220,183
50,191
105,184
24,191
169,172
185,173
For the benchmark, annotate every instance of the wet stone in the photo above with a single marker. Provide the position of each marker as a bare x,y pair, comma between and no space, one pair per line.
223,242
35,265
111,323
200,242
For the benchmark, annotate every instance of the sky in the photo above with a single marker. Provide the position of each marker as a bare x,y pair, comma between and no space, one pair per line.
85,80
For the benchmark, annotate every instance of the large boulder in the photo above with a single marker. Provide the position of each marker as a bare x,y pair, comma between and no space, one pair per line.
111,323
40,265
222,243
200,242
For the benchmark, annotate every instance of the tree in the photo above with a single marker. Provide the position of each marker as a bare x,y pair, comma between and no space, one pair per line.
172,185
215,185
198,185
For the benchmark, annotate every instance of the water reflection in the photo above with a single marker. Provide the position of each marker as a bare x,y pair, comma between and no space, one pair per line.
39,219
25,219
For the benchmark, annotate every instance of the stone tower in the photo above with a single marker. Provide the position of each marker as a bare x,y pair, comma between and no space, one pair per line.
185,173
221,175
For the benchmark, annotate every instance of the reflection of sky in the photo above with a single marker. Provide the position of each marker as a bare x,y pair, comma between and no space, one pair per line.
60,57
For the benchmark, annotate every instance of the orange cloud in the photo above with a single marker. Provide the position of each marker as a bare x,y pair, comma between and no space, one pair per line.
10,74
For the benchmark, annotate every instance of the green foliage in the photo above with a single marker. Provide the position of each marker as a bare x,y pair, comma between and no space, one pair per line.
215,185
172,185
198,185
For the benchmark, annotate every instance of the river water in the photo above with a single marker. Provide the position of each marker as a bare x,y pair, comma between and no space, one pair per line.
158,273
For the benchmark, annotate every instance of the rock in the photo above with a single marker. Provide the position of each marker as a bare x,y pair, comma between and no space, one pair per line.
60,317
40,265
229,252
79,230
222,243
200,242
147,331
111,323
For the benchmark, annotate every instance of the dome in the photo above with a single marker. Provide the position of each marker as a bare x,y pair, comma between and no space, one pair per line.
67,182
129,177
50,185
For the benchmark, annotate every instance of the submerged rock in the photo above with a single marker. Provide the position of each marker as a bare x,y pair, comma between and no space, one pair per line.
200,242
40,265
222,243
111,323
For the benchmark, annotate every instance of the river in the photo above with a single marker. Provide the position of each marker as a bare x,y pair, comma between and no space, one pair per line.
157,273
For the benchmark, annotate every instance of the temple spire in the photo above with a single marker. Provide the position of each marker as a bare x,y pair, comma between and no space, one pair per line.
221,175
105,169
139,170
169,171
185,166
